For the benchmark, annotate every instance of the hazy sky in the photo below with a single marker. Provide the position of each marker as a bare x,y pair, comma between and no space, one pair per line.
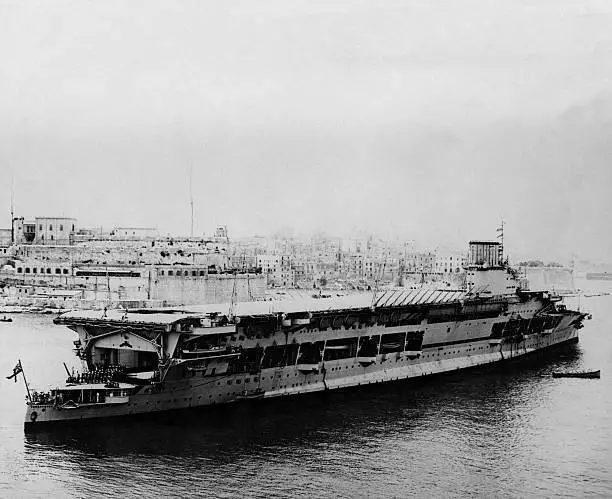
429,119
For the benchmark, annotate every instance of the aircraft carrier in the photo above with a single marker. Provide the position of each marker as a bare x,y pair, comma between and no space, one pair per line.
143,361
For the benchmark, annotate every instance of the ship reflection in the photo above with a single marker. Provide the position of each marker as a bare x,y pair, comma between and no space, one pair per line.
353,418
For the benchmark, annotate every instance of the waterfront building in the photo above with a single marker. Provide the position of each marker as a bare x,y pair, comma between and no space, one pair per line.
449,262
278,269
53,230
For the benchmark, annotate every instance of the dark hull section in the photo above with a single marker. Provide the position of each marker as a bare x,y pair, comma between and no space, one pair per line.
192,396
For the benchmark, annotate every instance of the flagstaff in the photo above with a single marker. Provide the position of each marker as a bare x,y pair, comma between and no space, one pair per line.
19,369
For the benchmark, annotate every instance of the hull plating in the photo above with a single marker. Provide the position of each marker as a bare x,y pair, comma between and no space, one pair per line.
195,390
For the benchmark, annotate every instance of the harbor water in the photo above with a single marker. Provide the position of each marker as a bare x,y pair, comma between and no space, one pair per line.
505,431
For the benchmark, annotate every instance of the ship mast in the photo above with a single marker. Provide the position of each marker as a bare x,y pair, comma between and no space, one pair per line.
500,236
232,307
247,270
380,275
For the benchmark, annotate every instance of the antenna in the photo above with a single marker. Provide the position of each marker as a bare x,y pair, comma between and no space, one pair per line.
191,195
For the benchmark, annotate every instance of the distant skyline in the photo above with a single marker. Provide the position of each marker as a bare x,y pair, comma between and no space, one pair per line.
428,121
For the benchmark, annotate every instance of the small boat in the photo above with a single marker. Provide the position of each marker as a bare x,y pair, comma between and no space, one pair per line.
6,319
579,374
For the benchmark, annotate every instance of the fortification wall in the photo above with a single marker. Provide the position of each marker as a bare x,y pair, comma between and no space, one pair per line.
558,279
207,289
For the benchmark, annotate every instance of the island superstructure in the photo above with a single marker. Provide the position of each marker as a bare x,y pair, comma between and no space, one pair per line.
142,361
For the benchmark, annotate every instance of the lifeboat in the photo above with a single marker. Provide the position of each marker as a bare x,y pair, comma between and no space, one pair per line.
371,320
308,368
337,347
366,361
405,316
302,320
337,322
384,318
394,345
350,321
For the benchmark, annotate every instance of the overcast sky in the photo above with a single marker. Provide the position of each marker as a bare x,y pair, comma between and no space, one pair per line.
427,119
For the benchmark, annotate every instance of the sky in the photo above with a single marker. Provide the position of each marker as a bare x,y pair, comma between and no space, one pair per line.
427,120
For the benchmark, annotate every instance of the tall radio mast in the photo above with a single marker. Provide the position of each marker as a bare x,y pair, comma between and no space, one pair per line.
191,196
12,211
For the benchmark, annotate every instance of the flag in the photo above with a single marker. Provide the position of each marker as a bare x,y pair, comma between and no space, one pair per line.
16,370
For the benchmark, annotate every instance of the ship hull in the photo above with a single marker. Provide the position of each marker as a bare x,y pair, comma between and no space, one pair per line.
199,391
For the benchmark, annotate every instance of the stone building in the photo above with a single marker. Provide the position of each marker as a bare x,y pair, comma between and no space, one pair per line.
53,230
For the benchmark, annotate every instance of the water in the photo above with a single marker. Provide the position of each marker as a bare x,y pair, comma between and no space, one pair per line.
509,431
